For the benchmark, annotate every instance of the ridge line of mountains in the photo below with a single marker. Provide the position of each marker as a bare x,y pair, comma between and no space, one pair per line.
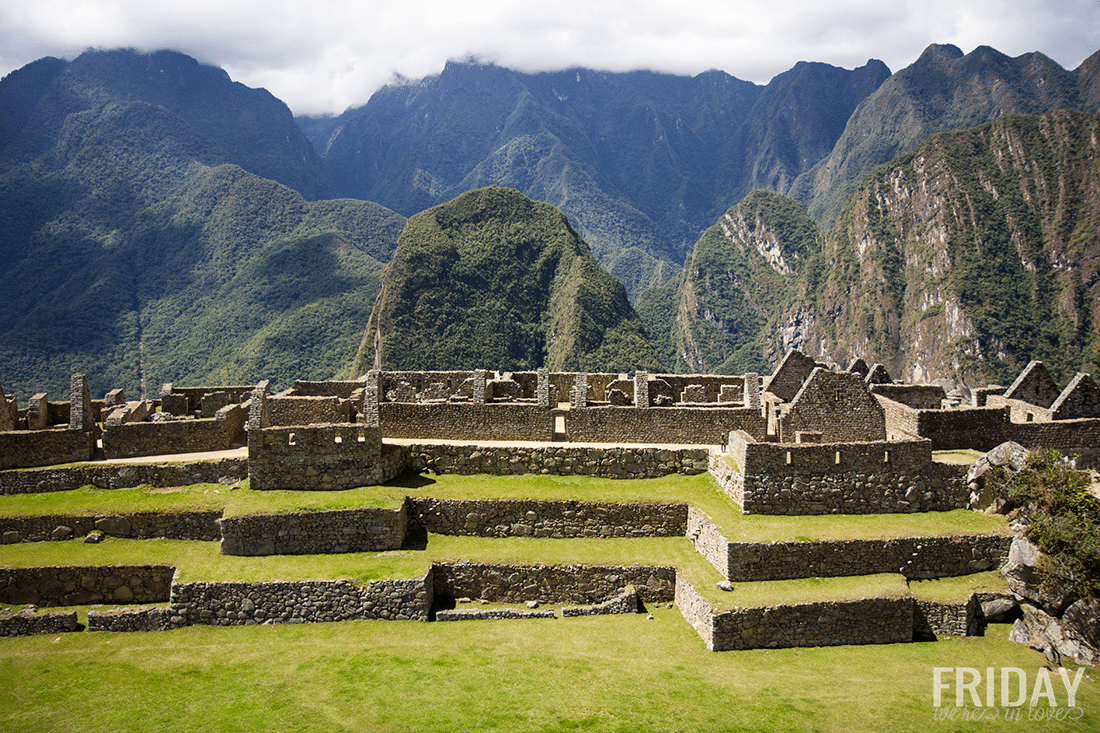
162,223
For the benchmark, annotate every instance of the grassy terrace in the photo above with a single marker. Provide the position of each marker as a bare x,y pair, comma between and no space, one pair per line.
699,491
601,674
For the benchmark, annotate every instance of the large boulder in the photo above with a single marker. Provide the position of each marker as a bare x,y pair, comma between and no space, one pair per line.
1082,620
1011,456
1045,633
1021,570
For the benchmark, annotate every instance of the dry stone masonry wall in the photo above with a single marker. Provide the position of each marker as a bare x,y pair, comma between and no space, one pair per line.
76,586
196,526
554,519
121,476
239,603
308,533
556,459
576,584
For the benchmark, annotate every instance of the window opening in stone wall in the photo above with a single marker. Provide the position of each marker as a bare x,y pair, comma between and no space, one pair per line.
886,456
338,439
362,438
836,395
292,439
1030,417
837,459
788,458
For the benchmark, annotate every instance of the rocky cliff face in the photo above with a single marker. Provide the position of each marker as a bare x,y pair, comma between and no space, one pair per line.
965,259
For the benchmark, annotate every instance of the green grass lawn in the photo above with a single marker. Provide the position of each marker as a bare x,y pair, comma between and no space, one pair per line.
699,491
607,673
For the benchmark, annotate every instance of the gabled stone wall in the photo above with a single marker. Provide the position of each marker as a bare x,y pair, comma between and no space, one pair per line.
838,406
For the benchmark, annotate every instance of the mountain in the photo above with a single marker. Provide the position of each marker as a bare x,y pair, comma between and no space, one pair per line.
640,162
957,263
942,90
717,315
158,223
969,257
495,280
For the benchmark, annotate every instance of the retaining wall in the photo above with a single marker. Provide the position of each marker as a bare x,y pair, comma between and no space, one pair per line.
28,623
935,618
557,459
310,533
576,584
555,519
311,601
78,586
129,619
913,557
120,476
825,623
200,526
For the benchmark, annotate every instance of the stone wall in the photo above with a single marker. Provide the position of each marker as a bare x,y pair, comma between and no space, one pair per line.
79,586
557,459
188,400
198,526
625,602
153,618
825,623
860,478
308,533
554,519
120,476
984,428
917,396
670,425
576,584
221,432
299,410
27,448
913,557
343,390
28,623
835,404
320,458
464,421
307,601
708,540
934,618
839,478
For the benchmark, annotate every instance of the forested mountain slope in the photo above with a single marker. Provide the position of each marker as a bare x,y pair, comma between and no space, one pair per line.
139,250
494,280
640,162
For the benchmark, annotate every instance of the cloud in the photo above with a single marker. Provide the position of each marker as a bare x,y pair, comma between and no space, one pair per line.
328,54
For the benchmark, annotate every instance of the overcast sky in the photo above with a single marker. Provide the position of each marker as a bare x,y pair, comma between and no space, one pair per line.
326,55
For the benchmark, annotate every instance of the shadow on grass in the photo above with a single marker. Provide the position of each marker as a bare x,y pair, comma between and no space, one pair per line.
410,480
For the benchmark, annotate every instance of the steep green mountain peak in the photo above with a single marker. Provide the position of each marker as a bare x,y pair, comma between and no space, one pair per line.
496,280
